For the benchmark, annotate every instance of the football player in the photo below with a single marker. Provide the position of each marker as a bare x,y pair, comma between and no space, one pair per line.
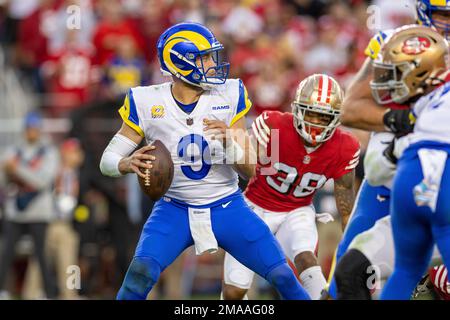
312,149
359,110
203,206
414,62
370,255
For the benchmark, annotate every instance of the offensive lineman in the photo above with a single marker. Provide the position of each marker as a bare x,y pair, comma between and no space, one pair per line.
415,61
374,248
359,110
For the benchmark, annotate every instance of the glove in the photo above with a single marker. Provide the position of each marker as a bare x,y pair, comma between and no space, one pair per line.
399,122
388,153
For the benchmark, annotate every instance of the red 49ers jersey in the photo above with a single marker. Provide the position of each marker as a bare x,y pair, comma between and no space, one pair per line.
295,174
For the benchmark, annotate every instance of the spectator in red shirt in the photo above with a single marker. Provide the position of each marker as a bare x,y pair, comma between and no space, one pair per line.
269,90
67,19
33,40
247,58
153,21
70,75
112,26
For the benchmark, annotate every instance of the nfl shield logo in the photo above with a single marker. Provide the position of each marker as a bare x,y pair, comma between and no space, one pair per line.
189,121
306,159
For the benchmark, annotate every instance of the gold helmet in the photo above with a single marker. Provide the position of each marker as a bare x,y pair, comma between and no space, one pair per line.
411,61
321,95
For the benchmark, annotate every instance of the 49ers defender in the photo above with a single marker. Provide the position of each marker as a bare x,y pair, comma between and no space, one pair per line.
311,150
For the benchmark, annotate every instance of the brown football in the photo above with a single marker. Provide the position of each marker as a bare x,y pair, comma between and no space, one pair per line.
161,175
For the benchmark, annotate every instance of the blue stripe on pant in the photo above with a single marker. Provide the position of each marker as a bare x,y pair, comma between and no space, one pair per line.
238,230
416,229
372,204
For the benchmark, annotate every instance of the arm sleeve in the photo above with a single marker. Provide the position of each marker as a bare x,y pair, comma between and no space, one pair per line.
243,105
378,170
374,47
349,159
129,113
119,147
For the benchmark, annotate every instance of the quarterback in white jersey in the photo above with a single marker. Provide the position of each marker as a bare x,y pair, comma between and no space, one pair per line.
155,114
196,117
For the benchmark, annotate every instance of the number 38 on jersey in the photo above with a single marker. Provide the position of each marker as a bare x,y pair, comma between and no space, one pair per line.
298,170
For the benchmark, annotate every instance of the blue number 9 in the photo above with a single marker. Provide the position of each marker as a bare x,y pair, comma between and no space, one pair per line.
205,155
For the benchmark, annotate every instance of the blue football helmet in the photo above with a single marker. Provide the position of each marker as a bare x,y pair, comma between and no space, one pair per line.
425,9
179,48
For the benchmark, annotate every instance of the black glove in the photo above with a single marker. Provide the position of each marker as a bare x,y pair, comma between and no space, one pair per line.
389,152
399,122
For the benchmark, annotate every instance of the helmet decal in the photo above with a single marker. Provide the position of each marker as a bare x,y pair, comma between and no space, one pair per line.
167,52
415,45
196,38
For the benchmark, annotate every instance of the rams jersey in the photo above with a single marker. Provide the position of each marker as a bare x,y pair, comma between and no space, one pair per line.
379,171
200,175
432,113
294,173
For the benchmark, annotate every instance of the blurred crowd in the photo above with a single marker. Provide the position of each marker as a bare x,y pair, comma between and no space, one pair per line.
75,60
78,51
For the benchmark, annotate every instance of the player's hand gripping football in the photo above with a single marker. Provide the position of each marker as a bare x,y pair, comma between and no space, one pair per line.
137,160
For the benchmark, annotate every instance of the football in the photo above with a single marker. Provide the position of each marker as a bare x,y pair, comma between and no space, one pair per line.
159,178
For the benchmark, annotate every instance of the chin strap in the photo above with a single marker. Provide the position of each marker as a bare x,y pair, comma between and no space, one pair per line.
437,78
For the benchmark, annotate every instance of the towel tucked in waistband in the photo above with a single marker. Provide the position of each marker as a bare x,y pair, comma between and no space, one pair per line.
201,230
433,163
